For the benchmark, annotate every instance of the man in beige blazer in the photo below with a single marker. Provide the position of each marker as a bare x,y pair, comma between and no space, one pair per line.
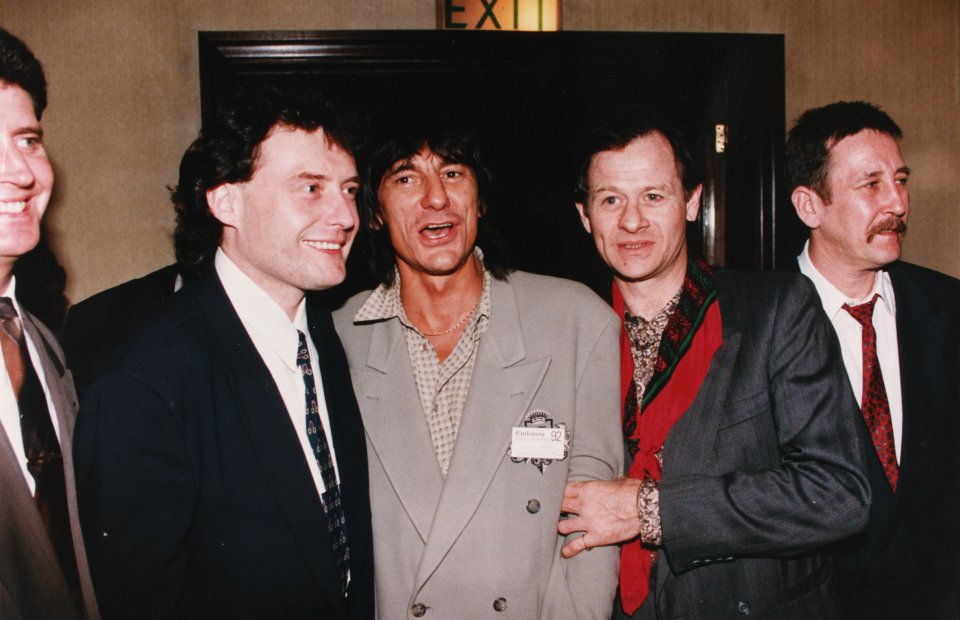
482,392
43,567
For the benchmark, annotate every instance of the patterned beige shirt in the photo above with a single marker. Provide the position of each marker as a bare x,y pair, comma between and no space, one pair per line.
645,339
443,387
645,343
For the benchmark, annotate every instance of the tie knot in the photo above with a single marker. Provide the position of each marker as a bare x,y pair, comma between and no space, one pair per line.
7,311
863,313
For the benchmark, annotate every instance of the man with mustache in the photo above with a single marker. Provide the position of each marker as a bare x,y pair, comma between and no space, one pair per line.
898,326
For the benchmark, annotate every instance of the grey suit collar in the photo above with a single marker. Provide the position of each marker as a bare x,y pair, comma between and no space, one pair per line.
23,512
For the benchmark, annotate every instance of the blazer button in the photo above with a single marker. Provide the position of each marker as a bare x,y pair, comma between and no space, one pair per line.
744,608
533,507
419,610
501,603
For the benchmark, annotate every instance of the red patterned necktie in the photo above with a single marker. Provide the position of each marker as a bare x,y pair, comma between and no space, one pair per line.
873,401
42,449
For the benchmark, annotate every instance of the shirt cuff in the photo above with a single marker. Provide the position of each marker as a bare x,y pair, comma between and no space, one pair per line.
648,511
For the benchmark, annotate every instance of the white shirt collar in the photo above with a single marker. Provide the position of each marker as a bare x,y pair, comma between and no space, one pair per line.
833,298
259,312
11,293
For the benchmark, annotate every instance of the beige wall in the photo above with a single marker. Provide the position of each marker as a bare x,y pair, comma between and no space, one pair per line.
125,102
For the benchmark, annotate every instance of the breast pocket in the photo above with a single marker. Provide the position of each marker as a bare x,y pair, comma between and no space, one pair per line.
746,437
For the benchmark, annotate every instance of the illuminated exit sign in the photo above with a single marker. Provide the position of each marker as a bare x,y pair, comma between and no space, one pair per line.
498,14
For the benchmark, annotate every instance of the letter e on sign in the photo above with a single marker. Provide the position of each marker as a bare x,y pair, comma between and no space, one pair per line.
529,15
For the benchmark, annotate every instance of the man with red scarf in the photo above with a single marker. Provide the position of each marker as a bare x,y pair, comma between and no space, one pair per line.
746,457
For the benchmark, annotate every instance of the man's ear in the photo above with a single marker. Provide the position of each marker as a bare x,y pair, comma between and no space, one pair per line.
582,210
693,203
808,204
223,201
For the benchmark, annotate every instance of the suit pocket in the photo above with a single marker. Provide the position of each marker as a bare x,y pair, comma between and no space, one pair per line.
744,408
746,438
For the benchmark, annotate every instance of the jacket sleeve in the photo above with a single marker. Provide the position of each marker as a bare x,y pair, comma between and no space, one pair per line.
597,454
786,473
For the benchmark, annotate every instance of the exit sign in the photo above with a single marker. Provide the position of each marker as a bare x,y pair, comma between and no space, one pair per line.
498,14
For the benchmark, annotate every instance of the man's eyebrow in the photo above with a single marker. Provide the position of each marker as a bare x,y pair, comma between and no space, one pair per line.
872,174
615,188
34,129
313,176
318,176
400,166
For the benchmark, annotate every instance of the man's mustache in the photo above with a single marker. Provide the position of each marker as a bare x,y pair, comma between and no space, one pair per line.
890,224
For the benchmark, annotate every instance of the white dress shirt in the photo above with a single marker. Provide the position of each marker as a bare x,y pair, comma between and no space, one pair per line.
9,410
849,333
275,337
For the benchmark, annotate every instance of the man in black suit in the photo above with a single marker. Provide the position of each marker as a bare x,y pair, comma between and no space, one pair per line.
746,461
899,328
222,459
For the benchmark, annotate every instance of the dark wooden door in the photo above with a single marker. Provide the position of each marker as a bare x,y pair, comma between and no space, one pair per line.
526,93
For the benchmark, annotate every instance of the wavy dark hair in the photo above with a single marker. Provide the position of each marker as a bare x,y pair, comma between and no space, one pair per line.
18,66
226,151
818,130
453,142
622,128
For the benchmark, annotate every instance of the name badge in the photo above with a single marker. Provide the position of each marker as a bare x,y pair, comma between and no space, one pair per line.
530,442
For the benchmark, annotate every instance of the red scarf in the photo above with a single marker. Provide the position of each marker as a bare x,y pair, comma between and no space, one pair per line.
692,336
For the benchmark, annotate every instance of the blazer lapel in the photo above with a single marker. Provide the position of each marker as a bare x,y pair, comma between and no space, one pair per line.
60,385
919,339
59,381
346,430
501,390
272,437
396,426
697,429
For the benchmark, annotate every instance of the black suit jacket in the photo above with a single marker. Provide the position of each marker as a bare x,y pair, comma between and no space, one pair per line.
194,492
905,564
96,324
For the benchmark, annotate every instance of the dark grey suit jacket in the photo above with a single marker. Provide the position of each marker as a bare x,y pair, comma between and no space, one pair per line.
765,469
32,584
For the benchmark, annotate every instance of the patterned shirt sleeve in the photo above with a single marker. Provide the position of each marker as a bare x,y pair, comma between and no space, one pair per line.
648,511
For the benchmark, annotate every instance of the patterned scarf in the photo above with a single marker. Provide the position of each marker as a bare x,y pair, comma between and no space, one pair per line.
692,336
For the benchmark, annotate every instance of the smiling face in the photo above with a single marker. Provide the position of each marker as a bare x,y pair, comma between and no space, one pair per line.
26,177
636,212
290,227
430,208
862,227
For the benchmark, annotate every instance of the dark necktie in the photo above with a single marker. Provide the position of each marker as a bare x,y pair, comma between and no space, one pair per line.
873,400
332,506
44,460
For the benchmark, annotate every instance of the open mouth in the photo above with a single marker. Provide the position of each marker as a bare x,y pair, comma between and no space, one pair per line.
436,231
14,206
325,246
